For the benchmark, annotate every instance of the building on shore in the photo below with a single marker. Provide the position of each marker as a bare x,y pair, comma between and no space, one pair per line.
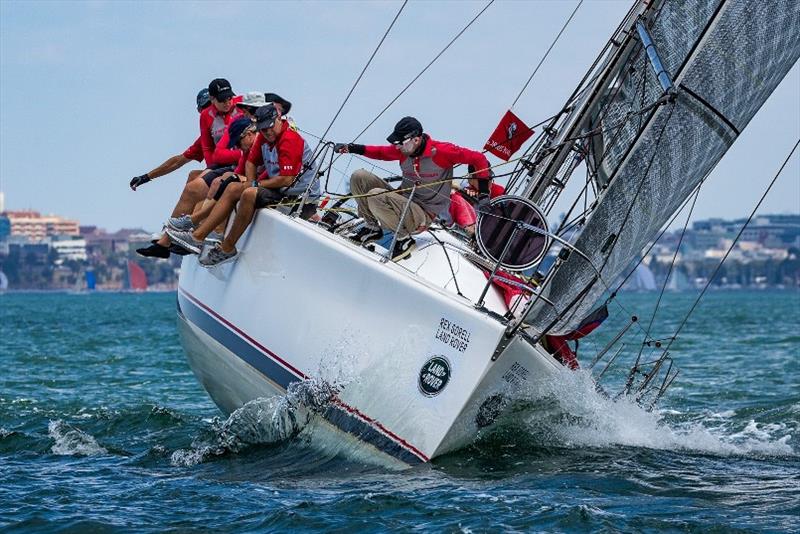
37,227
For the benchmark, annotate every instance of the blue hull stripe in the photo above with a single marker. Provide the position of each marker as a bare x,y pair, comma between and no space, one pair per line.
342,416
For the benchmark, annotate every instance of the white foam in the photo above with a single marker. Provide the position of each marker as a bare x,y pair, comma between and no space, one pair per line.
259,422
71,441
584,417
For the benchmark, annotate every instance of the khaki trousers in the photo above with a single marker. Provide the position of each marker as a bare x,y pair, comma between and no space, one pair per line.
384,209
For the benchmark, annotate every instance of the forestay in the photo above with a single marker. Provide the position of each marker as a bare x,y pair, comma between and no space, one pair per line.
725,58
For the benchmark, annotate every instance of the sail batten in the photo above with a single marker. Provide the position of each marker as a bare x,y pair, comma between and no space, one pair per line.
725,65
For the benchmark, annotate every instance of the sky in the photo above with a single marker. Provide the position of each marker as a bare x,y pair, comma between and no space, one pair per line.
94,93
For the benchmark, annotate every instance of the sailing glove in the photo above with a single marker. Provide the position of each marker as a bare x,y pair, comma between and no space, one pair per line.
140,180
483,204
352,148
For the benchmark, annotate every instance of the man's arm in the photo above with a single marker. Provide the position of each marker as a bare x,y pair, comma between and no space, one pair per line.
290,164
224,156
254,158
250,171
172,164
385,153
448,155
206,141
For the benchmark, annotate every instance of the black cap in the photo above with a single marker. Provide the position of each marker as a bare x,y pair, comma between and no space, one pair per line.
285,104
203,99
406,128
220,89
266,116
236,129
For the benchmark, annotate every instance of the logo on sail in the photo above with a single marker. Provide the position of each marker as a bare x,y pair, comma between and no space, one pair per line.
434,376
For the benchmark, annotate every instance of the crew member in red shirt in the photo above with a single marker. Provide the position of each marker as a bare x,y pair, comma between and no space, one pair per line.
424,162
462,212
193,153
289,172
241,134
213,122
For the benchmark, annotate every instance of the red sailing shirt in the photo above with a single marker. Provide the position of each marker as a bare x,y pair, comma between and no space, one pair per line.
213,127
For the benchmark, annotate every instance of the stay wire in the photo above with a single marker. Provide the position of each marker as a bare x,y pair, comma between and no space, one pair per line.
369,61
669,273
453,40
730,248
544,57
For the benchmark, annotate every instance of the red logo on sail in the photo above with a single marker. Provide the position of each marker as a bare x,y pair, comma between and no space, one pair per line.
508,137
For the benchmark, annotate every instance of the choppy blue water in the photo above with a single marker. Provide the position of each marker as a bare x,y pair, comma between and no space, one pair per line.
104,428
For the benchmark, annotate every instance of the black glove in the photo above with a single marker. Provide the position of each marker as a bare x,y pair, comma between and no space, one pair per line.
352,148
483,204
136,181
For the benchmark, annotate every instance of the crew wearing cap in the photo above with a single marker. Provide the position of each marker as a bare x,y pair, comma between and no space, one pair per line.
215,119
423,161
288,172
241,134
160,249
194,152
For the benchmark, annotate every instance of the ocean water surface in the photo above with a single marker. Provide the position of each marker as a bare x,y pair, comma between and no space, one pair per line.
104,428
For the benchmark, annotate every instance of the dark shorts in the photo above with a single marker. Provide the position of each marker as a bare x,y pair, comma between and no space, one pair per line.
232,179
213,174
271,197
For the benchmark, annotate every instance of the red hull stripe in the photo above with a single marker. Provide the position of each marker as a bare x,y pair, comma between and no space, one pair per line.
299,375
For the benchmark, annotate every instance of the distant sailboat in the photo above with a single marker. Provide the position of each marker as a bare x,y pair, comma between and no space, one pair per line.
137,279
91,280
3,281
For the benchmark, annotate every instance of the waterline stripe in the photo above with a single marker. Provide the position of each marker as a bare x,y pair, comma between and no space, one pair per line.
275,368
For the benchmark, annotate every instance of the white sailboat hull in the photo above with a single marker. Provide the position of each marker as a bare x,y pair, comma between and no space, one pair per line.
301,303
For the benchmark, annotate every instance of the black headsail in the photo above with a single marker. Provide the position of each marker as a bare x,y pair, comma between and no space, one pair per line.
648,149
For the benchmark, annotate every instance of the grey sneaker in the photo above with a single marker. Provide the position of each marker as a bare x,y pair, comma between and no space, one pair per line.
185,239
402,248
217,256
182,223
214,237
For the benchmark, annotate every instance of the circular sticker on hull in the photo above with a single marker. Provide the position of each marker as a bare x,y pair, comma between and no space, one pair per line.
434,376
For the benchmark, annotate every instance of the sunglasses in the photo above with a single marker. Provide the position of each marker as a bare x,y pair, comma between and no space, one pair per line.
404,141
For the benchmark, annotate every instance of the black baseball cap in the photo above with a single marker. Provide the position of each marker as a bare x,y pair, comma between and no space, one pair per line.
237,129
266,116
220,89
203,99
406,128
285,104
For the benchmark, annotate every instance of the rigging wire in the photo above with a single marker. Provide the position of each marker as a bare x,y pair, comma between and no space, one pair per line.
669,273
653,244
730,248
544,57
442,51
369,61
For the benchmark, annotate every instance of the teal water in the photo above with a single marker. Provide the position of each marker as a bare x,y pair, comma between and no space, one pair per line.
104,428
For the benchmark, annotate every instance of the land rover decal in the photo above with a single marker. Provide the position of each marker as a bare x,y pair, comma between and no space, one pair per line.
434,376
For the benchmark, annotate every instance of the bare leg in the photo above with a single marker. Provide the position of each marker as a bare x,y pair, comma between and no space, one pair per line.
244,215
203,209
221,210
193,191
194,174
